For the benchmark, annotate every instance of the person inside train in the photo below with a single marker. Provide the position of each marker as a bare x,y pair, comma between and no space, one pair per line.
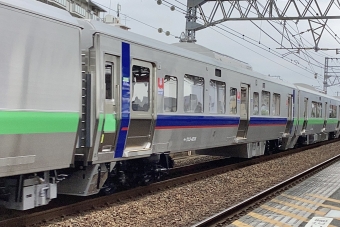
199,108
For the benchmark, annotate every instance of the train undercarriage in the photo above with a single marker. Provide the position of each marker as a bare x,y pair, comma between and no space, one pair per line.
23,192
27,191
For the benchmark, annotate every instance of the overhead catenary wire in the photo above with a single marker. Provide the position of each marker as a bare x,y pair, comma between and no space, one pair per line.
326,25
178,10
269,49
132,18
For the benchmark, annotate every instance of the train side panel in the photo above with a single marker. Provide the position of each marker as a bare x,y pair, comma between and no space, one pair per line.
39,92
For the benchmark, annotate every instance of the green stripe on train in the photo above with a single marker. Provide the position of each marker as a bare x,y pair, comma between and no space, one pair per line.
15,122
332,121
110,123
316,121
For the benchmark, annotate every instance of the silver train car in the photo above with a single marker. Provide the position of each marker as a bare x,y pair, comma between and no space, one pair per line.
86,107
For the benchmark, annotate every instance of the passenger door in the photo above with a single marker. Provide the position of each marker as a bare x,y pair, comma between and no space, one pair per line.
141,120
108,138
290,114
244,111
305,113
325,117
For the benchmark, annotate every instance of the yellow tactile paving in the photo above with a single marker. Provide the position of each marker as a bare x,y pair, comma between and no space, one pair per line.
299,207
311,202
325,198
320,213
240,224
268,219
289,214
286,213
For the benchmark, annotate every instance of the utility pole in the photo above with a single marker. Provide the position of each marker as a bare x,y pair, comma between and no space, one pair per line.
331,73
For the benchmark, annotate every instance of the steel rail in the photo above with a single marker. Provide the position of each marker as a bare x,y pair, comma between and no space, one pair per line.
44,214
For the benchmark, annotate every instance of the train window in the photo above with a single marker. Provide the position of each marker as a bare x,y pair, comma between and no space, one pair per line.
140,88
233,101
217,97
332,111
319,110
256,100
170,93
108,80
265,103
276,104
193,94
314,106
218,72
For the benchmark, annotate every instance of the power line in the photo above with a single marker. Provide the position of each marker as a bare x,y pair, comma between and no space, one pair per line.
269,49
259,53
272,52
132,18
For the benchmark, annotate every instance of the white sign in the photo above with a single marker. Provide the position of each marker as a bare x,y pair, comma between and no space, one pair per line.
190,139
319,222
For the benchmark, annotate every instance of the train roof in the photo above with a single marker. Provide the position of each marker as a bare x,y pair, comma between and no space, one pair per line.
312,90
201,55
41,9
213,54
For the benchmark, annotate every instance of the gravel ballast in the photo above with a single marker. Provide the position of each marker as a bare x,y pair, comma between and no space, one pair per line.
190,203
195,159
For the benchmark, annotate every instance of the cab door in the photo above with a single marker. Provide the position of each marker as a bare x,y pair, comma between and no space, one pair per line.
141,121
109,134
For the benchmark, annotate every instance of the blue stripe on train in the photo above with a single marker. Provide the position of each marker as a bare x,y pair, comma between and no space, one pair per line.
125,100
185,121
261,121
192,121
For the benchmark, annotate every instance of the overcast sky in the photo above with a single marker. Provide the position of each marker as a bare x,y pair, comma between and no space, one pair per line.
144,17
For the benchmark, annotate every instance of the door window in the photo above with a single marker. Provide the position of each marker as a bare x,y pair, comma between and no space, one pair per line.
108,80
244,102
305,110
140,88
233,101
290,107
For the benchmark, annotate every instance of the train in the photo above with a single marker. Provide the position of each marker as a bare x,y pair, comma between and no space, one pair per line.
88,108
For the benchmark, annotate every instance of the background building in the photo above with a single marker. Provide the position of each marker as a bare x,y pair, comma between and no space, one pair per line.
78,8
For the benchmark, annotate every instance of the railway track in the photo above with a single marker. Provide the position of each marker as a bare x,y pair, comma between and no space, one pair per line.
178,176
